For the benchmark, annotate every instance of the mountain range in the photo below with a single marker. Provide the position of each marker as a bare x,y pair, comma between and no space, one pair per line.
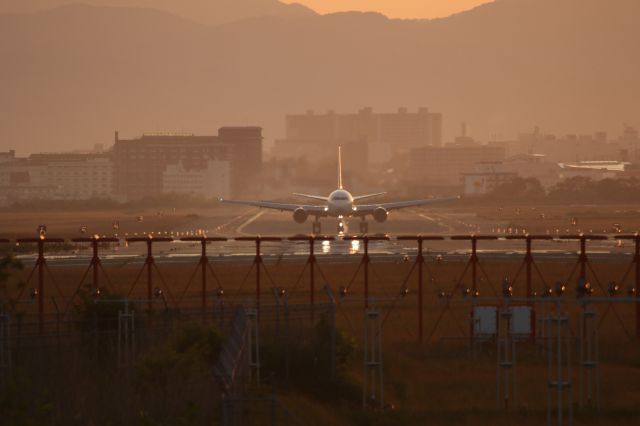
210,12
72,74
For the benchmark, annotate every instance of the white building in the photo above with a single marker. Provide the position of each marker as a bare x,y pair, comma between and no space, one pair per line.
595,170
211,182
72,176
55,177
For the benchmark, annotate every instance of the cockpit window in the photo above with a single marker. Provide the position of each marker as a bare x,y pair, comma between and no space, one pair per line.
340,197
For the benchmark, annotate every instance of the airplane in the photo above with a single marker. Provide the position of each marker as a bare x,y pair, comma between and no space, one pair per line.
340,204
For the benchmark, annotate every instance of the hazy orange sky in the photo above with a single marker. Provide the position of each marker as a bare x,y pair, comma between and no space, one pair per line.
411,9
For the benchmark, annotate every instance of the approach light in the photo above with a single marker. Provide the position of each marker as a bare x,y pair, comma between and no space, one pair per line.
507,288
405,258
466,292
404,291
282,292
547,292
560,288
442,295
476,293
507,291
343,291
584,287
157,292
219,292
439,258
96,293
613,288
631,291
34,293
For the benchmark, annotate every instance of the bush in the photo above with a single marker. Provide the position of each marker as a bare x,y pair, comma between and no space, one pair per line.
174,382
310,363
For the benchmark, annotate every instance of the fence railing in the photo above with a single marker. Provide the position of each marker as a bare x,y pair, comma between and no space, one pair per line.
473,280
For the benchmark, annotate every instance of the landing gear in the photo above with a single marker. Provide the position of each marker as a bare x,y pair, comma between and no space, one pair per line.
364,227
316,227
342,225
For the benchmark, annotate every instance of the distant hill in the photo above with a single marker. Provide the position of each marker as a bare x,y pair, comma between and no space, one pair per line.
211,12
72,75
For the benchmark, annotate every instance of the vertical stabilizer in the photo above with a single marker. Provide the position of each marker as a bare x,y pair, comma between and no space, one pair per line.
340,167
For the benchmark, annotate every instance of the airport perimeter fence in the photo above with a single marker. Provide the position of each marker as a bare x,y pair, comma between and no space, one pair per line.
239,370
514,310
124,339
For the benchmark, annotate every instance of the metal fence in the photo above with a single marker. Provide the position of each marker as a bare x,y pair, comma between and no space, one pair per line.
420,296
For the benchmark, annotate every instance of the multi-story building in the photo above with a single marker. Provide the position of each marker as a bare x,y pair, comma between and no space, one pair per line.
210,182
629,144
72,176
7,156
244,145
533,166
444,166
308,135
139,164
571,147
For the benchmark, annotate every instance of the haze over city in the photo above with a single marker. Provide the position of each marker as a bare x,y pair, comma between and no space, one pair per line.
504,67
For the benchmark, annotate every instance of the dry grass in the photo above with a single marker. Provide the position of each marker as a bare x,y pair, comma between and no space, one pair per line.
437,382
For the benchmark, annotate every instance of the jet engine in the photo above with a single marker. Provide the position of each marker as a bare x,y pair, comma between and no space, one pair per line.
380,214
300,215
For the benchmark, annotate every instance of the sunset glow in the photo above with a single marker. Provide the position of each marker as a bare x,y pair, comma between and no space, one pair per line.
403,9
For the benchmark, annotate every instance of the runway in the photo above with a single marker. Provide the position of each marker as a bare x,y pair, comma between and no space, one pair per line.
252,222
329,252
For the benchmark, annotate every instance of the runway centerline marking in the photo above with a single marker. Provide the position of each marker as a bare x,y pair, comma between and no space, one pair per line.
240,229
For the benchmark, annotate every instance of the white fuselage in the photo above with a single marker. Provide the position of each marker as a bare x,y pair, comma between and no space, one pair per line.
340,203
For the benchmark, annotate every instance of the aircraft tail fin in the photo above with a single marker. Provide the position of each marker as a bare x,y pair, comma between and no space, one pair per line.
340,167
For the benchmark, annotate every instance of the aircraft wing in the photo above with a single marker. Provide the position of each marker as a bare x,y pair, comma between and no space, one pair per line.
362,197
365,209
314,197
314,210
